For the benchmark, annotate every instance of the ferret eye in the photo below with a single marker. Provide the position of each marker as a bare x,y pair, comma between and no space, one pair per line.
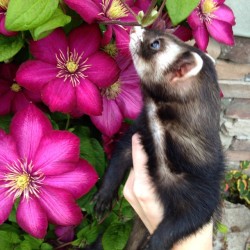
155,45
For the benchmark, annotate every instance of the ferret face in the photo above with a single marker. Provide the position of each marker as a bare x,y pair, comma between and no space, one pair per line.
160,58
152,52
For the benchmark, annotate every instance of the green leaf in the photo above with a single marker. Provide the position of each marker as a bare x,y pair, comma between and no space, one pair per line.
58,19
5,122
147,20
9,46
116,236
222,228
10,228
11,237
91,150
89,233
33,242
29,14
25,245
46,246
245,165
179,10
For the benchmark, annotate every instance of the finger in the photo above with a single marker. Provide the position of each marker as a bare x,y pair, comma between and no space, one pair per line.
139,156
129,195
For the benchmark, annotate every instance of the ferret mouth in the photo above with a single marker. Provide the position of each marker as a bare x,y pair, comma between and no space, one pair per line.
136,38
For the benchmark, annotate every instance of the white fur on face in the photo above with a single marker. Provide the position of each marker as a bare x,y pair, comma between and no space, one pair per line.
165,59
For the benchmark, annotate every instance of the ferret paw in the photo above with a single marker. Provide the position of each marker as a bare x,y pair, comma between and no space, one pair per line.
103,202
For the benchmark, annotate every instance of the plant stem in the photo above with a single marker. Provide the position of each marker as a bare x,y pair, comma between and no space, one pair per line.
68,122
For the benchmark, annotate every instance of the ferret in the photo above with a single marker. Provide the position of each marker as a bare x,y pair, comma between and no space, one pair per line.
179,130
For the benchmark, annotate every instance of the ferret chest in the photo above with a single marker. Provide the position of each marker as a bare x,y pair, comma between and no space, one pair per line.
158,133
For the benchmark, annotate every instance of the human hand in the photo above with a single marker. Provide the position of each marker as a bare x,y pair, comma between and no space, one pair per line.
139,190
140,193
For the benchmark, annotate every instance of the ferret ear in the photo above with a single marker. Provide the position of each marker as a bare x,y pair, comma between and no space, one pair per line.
187,65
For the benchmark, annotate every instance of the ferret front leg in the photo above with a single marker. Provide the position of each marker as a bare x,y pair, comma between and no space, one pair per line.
120,163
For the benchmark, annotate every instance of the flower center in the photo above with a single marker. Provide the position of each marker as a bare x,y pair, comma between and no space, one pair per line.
4,4
111,49
112,91
71,66
114,9
15,87
207,9
21,179
209,6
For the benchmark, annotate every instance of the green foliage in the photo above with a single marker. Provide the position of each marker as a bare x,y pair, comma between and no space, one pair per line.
237,184
58,19
10,46
116,236
29,14
179,10
91,149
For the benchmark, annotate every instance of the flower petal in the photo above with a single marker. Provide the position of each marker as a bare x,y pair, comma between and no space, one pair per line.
28,126
32,218
122,41
194,20
65,233
201,37
5,103
8,150
8,72
130,101
88,98
221,31
47,48
78,182
33,74
107,36
60,206
86,38
87,9
6,204
58,153
59,95
103,71
19,102
110,121
224,13
3,30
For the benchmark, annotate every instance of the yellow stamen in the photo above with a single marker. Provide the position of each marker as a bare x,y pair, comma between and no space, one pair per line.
209,6
111,49
22,181
112,91
71,66
15,87
116,9
4,4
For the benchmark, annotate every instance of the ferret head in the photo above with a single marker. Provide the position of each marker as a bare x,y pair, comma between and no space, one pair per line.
162,60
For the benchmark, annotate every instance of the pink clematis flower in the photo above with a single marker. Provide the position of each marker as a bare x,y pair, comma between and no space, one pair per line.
110,10
69,72
212,17
12,96
3,9
41,166
120,100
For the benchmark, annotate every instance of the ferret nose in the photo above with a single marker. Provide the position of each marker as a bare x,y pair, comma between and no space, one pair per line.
136,29
132,30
